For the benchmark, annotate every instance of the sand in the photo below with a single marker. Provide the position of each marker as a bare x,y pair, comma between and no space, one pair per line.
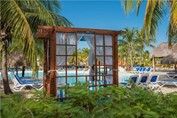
25,91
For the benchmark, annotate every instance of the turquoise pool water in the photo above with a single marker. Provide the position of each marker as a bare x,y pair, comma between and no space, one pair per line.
123,77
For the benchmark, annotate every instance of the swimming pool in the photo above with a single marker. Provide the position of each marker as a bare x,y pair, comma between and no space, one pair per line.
123,77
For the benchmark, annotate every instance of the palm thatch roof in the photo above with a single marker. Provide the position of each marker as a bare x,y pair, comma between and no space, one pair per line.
16,59
170,59
163,50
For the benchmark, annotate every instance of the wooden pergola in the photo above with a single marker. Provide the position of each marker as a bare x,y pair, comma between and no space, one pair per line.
52,54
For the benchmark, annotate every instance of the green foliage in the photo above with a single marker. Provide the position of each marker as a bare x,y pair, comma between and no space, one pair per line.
155,11
21,19
82,56
110,102
132,47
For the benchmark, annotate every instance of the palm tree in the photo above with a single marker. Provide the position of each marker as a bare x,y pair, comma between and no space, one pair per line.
128,43
19,20
84,53
155,10
133,44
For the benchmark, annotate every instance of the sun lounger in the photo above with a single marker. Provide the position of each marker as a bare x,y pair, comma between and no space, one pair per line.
153,82
132,80
172,75
143,80
166,82
148,69
19,84
142,70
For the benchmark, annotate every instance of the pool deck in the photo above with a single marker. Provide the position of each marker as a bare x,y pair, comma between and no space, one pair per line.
165,89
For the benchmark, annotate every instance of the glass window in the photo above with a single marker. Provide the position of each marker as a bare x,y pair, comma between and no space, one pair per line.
99,51
108,40
101,59
108,60
60,50
71,50
108,50
60,60
60,38
99,39
71,61
71,38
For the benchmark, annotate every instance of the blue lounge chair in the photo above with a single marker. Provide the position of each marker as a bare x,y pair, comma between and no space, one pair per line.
28,79
132,80
148,69
142,70
153,82
143,79
165,82
19,84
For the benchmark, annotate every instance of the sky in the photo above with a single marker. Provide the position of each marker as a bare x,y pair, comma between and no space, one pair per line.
102,14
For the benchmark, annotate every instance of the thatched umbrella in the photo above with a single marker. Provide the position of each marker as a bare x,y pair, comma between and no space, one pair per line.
17,59
161,51
170,59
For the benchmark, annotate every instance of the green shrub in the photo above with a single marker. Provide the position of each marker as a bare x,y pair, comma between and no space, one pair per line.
110,102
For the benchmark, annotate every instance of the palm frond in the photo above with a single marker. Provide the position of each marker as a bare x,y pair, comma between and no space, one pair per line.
16,20
173,14
153,15
138,6
60,20
172,30
51,5
128,5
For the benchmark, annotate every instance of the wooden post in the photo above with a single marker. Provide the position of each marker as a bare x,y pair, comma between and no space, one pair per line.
53,63
95,67
153,62
45,65
115,60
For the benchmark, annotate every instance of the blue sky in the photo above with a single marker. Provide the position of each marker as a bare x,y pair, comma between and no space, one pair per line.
107,15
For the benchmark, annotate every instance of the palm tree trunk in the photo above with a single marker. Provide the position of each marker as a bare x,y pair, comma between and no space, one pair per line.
131,61
23,71
7,89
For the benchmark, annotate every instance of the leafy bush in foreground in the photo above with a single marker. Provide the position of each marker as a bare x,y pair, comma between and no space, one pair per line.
110,102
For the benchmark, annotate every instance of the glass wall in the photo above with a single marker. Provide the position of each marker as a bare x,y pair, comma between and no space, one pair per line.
100,58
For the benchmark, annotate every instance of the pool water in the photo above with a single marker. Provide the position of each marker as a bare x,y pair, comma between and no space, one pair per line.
123,77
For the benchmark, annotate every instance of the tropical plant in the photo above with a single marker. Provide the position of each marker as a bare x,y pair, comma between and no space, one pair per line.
155,10
111,102
19,20
82,56
132,46
129,44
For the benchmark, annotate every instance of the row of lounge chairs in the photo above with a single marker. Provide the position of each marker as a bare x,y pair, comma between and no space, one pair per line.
142,70
149,81
144,80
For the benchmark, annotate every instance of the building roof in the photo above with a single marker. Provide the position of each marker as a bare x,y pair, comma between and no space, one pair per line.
163,50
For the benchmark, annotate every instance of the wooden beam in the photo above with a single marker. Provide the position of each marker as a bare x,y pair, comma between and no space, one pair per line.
115,60
88,30
45,65
45,31
153,63
53,64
